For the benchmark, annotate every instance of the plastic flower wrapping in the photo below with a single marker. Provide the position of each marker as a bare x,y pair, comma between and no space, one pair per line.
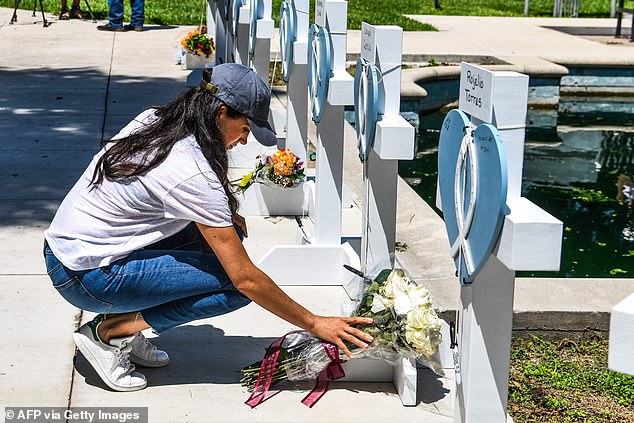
282,169
405,325
198,43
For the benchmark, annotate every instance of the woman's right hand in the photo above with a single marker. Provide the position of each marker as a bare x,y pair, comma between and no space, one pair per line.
339,329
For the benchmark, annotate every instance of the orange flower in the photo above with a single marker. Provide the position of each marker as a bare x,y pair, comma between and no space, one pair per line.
283,162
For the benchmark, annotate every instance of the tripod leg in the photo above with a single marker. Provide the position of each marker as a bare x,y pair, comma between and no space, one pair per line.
619,18
14,18
92,16
34,6
43,17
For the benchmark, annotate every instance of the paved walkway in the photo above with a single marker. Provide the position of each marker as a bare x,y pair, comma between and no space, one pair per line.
63,89
559,40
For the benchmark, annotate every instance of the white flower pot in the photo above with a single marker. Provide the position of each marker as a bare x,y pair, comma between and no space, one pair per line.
192,61
262,200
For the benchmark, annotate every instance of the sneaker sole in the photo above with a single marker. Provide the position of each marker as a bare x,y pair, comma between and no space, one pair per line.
81,346
141,362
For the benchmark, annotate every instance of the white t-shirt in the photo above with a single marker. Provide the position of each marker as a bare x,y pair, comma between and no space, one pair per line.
92,228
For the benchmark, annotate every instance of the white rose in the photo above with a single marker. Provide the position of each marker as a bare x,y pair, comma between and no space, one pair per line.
402,303
396,282
418,339
423,317
419,295
413,296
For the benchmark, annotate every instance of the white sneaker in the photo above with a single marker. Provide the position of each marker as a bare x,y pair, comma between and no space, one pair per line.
145,354
112,362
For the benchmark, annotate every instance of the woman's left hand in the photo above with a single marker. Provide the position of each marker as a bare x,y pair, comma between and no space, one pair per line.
242,224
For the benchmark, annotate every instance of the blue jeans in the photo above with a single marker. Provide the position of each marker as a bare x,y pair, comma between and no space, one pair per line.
174,281
115,13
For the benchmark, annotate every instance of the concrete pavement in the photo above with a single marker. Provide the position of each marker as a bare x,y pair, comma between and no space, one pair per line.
57,102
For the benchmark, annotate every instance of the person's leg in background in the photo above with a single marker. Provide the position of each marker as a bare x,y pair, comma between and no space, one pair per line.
75,11
115,17
137,16
64,14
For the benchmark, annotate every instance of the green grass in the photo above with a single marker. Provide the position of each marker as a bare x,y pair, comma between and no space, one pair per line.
567,381
384,12
390,12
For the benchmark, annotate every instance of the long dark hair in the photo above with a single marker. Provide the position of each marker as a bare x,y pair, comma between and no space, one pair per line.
191,113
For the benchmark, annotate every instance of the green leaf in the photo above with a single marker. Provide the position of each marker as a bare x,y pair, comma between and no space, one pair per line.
382,277
617,271
246,181
600,244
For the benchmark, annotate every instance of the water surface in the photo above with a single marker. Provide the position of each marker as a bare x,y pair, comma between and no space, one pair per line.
579,168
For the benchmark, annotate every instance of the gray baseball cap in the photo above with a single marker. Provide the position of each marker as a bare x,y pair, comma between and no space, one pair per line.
242,89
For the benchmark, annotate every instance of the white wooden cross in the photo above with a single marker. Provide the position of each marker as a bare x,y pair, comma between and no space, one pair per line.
332,15
530,240
381,46
321,262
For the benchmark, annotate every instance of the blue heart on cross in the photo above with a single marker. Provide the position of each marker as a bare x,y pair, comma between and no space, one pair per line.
288,35
319,71
473,184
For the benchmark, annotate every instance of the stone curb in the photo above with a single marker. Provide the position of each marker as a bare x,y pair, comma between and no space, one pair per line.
412,78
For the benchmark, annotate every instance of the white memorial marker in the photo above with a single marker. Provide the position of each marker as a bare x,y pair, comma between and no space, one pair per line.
384,137
331,88
261,31
492,230
622,337
321,262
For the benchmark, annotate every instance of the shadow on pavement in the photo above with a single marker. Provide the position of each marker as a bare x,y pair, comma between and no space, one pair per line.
203,354
429,387
583,30
51,124
200,354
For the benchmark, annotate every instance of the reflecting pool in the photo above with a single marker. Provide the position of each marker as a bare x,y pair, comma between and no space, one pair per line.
579,167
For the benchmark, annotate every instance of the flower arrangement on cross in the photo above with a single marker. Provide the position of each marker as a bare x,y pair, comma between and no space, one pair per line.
198,43
282,169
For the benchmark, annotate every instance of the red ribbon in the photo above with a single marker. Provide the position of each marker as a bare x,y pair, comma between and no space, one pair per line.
265,376
332,372
267,369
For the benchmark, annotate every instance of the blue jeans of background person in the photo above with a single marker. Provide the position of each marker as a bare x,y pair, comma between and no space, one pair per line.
171,282
115,13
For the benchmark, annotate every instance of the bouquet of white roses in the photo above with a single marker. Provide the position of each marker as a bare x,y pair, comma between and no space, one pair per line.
282,169
405,325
